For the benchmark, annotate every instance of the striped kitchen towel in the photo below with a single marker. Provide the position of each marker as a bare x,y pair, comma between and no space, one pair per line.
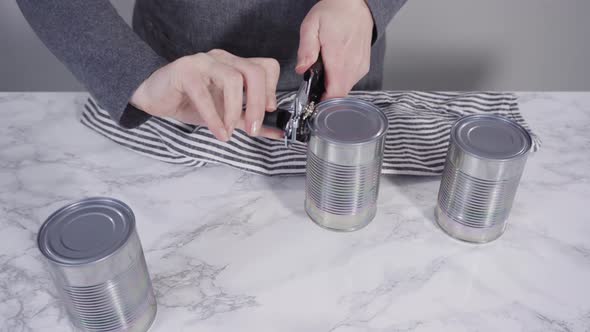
416,142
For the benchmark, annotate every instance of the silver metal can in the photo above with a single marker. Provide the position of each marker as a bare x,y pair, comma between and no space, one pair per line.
344,158
484,164
98,267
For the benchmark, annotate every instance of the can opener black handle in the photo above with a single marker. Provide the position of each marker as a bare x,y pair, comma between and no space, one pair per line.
293,121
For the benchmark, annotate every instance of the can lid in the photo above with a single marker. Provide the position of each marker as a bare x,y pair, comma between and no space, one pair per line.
86,231
348,120
491,136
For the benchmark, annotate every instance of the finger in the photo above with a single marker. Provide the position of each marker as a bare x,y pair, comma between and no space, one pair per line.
195,87
188,113
272,70
338,81
364,63
272,133
336,87
309,43
254,84
231,82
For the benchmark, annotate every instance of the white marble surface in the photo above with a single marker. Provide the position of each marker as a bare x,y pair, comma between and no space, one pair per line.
234,252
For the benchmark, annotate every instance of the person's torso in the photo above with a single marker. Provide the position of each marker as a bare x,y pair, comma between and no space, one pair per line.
246,28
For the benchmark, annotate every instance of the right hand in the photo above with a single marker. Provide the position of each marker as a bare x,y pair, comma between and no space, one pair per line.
208,89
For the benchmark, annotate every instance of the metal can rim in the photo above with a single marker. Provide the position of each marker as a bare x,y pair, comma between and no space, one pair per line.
357,101
523,153
54,258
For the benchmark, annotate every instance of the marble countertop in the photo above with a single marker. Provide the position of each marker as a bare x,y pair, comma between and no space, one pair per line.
229,251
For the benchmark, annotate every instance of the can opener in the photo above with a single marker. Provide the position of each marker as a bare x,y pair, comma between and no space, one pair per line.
294,121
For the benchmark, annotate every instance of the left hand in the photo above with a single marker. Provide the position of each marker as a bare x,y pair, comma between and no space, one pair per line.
342,30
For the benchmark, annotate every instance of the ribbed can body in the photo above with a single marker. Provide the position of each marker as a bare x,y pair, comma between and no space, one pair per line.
103,296
342,178
112,292
477,191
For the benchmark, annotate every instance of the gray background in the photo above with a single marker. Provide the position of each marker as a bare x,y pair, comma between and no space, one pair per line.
433,45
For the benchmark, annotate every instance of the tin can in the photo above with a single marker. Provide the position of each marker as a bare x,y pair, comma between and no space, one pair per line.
97,264
344,157
484,164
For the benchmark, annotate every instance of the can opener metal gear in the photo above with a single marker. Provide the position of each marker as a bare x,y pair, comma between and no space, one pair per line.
294,121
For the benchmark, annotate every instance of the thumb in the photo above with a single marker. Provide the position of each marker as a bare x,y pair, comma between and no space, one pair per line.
309,43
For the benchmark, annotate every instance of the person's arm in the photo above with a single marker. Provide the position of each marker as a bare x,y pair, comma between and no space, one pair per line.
99,48
383,12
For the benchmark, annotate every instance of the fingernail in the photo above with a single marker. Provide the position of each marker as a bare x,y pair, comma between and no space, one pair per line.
223,135
299,67
301,63
254,128
230,130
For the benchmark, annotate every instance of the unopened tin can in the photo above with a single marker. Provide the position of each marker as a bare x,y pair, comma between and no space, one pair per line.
344,158
484,164
98,267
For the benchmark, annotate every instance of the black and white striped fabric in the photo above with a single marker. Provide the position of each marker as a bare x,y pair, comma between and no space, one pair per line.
416,142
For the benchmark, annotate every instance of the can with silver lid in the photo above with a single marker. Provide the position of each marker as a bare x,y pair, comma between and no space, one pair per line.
344,157
98,267
484,164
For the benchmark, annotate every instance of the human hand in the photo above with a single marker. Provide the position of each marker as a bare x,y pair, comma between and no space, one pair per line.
208,89
343,31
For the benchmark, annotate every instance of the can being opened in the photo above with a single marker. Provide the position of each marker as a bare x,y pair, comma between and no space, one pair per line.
98,267
485,161
344,158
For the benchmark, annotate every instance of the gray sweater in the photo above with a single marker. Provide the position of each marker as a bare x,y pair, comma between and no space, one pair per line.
112,60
